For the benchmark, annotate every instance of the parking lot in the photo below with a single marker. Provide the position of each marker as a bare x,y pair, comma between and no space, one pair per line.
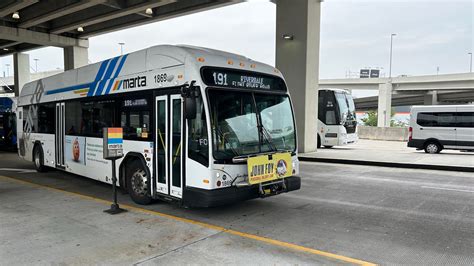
343,214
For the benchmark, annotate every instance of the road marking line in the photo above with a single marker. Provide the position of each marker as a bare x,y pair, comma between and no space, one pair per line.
206,225
450,189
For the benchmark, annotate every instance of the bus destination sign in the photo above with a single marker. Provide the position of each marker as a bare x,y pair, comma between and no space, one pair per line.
241,79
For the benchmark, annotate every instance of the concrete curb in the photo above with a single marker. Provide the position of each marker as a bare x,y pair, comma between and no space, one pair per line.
389,164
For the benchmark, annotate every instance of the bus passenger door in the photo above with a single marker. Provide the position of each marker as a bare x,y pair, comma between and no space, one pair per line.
176,177
168,139
161,140
60,134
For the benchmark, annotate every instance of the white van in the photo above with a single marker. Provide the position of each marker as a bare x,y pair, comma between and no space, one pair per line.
438,127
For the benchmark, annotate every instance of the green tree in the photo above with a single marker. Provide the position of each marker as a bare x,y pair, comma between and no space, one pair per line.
371,119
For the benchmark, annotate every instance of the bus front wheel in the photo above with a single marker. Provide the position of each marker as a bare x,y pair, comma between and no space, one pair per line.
38,159
137,183
328,146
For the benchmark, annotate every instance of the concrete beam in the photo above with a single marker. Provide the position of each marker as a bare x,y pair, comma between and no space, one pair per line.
384,112
21,68
298,60
66,10
174,10
16,6
10,44
111,15
117,5
75,57
40,38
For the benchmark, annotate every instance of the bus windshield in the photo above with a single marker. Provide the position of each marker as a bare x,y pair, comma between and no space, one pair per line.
246,123
346,106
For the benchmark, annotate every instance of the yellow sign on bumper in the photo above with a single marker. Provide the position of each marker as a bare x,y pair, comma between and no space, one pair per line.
263,169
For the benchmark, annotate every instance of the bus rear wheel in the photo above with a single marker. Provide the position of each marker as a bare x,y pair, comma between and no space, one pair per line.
138,183
38,159
328,146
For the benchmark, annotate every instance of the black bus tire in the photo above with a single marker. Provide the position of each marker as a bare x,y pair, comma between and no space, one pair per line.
137,183
38,159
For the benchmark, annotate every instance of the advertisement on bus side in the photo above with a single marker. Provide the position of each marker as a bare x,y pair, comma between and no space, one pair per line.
75,149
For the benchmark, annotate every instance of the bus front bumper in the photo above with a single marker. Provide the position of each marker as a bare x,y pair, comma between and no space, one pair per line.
196,197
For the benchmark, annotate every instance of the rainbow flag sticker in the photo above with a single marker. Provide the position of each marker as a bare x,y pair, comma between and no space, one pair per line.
114,137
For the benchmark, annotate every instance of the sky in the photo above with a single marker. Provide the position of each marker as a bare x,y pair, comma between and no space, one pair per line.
355,34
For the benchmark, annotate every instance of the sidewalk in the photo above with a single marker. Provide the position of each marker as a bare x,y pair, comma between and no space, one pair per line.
392,154
41,225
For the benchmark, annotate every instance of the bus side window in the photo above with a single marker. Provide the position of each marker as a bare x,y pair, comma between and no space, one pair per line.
198,142
136,125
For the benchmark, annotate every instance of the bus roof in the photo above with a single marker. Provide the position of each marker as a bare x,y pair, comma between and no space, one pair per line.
106,76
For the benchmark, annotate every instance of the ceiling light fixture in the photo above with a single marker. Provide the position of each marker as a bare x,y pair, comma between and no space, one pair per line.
5,49
16,15
287,37
149,11
80,29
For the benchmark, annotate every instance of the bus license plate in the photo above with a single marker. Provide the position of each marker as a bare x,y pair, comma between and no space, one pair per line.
263,169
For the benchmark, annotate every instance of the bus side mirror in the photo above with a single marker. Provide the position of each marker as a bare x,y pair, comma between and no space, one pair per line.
189,94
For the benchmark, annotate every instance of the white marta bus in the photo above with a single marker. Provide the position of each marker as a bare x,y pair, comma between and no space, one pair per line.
201,127
337,121
437,127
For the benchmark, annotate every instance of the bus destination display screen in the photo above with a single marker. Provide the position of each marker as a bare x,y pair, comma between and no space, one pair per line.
241,79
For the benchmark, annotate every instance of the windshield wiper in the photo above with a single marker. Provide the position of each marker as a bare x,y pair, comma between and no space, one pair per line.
267,136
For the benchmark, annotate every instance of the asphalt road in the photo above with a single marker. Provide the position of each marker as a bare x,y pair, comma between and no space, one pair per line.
376,214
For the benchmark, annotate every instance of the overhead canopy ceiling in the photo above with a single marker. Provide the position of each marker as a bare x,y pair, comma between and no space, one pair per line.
56,23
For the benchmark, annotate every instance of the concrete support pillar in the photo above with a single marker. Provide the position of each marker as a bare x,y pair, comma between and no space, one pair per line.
431,98
385,105
297,57
21,71
74,57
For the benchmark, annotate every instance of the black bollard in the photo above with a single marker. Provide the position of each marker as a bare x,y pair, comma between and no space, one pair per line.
114,208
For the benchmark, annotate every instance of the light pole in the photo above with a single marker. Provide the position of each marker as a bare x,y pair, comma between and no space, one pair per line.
391,46
470,64
8,69
121,47
36,65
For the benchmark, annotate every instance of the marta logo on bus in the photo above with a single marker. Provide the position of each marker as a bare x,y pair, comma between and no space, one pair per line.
137,82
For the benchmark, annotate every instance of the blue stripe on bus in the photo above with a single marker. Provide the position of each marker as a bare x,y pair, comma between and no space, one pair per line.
108,73
119,68
114,141
71,88
102,68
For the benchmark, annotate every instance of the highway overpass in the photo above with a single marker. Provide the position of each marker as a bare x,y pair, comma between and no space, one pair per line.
444,97
407,90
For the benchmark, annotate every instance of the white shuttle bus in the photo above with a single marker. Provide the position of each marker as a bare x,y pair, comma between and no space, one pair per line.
201,127
337,121
438,127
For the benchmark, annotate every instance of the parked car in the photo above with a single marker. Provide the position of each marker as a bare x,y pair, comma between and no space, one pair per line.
438,127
